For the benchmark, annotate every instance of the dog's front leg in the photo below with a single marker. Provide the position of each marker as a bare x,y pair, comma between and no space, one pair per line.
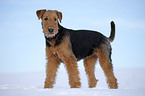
51,69
72,69
73,73
68,58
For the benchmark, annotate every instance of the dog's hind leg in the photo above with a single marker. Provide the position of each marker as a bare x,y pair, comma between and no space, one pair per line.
89,64
104,54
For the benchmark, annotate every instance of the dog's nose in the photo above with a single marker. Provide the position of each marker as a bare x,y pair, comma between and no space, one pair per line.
50,30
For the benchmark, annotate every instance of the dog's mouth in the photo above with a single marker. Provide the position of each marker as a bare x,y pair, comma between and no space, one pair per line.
50,35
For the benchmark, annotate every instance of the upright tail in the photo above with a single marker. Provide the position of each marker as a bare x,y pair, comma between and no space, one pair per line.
112,34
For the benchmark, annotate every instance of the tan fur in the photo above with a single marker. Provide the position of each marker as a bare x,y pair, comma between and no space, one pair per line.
106,64
40,13
52,20
89,64
63,53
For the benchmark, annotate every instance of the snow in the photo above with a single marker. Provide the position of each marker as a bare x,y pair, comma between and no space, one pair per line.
131,83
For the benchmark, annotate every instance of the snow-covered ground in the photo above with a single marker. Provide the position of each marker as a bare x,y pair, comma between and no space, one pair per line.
131,83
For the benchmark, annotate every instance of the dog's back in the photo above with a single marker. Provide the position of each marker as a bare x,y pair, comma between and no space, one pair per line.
85,41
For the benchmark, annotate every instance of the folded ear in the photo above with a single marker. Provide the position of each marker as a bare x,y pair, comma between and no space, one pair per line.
59,14
40,13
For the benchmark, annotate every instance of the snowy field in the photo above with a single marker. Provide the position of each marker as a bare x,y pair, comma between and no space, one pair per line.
131,83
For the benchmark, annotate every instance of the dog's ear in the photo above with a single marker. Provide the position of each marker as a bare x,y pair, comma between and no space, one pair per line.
59,14
40,13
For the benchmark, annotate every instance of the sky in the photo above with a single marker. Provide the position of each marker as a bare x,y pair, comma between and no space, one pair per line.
22,44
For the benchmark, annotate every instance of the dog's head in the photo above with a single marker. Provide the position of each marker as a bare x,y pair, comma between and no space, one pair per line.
49,21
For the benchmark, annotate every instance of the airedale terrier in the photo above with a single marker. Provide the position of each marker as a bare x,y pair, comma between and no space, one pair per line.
69,46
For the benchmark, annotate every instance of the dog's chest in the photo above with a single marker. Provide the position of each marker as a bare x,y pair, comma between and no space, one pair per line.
63,50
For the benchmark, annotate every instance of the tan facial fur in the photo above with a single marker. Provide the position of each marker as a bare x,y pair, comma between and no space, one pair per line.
49,21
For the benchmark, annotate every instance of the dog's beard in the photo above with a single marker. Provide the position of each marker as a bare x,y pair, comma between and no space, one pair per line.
48,35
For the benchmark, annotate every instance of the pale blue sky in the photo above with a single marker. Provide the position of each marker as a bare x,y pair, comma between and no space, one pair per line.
22,46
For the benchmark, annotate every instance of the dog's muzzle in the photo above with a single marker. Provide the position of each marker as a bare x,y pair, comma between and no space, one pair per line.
48,35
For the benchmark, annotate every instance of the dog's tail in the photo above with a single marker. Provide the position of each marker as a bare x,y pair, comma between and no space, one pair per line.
112,35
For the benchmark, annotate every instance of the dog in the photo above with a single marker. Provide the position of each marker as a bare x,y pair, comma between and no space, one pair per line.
69,46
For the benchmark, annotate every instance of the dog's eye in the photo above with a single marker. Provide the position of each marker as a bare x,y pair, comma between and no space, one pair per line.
45,18
55,19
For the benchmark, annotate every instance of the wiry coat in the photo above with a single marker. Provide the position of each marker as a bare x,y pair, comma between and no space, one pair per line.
69,46
83,42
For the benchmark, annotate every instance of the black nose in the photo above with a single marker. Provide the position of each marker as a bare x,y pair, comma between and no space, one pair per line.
50,30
